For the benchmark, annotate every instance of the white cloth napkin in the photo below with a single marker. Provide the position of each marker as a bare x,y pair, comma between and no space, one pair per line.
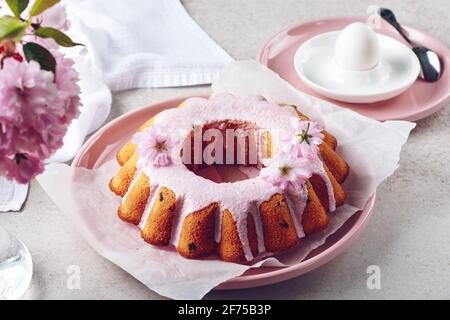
12,195
152,43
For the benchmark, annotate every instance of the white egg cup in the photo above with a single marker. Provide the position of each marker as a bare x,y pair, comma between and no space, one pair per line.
396,71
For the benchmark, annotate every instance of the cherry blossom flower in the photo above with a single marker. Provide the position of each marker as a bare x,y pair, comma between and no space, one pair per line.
306,137
36,106
55,17
35,111
155,146
287,171
22,167
29,104
66,80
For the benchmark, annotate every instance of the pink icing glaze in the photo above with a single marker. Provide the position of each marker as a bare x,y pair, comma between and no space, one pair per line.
241,197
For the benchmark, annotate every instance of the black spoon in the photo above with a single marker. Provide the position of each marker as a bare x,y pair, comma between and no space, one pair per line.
429,60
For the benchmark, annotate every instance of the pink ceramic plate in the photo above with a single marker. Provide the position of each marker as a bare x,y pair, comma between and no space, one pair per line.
95,152
420,101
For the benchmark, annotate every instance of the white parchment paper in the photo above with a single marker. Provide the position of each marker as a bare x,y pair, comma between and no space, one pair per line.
371,148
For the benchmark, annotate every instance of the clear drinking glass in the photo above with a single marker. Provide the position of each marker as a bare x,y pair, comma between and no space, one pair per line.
16,267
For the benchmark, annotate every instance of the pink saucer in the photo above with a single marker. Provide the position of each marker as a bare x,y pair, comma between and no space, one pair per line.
103,145
420,101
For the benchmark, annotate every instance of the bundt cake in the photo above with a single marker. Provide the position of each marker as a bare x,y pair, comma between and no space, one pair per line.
293,182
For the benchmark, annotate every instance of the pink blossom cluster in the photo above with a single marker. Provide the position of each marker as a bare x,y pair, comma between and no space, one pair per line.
296,161
36,106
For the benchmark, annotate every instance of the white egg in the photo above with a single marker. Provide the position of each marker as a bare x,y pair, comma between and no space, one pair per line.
357,48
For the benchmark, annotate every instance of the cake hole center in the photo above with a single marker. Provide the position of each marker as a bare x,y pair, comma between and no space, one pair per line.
228,173
226,151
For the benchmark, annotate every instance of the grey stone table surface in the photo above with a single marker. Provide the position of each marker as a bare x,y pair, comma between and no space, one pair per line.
408,236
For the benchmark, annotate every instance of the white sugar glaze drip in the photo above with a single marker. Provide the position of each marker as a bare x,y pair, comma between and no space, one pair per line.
218,225
148,207
320,170
254,211
241,226
239,198
297,203
133,182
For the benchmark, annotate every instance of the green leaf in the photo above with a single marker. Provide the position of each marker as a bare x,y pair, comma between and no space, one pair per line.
61,38
42,5
17,6
11,27
38,53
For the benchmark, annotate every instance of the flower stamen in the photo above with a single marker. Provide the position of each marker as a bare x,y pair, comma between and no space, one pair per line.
19,157
160,146
284,170
304,135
